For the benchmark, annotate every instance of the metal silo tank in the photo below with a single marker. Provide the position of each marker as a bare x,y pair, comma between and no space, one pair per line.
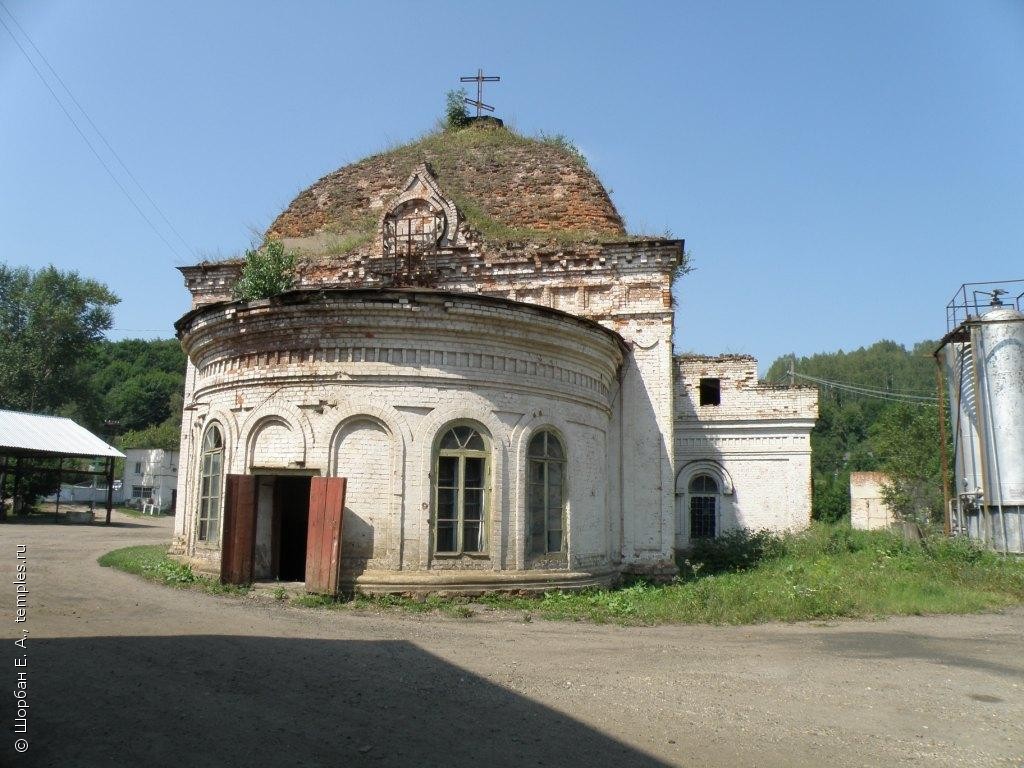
998,341
963,418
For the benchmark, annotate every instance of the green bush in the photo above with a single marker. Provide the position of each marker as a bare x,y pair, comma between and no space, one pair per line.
735,550
268,271
455,116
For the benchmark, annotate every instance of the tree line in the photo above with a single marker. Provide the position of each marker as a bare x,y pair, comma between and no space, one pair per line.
55,359
893,430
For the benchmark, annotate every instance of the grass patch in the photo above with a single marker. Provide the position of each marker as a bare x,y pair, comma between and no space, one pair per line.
826,572
449,606
350,241
152,563
123,510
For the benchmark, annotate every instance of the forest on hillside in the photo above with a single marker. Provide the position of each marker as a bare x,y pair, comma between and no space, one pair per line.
878,412
135,388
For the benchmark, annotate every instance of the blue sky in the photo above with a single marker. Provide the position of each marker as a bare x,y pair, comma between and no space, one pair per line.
837,169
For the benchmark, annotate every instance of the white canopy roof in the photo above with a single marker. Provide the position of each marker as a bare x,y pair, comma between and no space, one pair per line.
35,434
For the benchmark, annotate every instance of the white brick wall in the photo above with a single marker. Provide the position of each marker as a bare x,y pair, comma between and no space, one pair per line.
363,455
374,416
868,510
755,444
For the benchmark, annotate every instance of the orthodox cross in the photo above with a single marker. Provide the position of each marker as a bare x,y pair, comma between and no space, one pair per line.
479,79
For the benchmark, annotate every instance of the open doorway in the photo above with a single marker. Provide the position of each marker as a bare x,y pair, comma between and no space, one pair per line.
282,526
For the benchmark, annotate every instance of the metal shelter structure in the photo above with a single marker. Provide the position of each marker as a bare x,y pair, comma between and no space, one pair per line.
26,439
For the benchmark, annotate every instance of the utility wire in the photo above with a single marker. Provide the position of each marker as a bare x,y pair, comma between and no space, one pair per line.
85,138
879,394
97,130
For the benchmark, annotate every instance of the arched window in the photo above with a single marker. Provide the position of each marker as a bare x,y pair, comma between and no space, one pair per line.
460,523
545,475
210,485
703,507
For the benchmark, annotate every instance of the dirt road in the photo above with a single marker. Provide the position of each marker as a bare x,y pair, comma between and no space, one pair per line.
122,672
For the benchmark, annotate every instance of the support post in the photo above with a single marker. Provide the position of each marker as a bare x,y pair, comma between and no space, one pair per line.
3,485
60,477
17,484
110,487
947,524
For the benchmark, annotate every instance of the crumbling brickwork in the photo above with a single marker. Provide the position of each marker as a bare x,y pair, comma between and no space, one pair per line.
516,181
754,443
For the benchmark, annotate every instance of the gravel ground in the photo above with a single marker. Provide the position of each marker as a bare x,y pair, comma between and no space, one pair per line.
124,672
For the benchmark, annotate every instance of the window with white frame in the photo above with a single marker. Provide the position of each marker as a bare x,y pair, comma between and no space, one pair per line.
703,507
461,492
142,491
212,462
545,480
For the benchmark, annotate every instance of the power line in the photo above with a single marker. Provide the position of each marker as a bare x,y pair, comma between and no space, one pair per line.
97,130
81,133
878,394
888,390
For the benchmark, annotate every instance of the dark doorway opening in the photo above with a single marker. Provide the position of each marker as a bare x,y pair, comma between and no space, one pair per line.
282,526
291,502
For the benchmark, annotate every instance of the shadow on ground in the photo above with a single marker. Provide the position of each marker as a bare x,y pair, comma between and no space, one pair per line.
229,700
45,519
973,654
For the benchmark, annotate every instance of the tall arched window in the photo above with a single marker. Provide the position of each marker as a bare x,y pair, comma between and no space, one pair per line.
545,470
210,485
460,523
703,507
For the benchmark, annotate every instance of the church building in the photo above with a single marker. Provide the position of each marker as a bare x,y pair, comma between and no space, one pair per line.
470,387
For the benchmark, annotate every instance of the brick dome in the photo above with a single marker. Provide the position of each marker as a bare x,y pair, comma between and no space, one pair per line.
507,188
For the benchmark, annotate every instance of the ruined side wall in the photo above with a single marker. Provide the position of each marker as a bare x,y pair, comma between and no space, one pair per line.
868,510
755,444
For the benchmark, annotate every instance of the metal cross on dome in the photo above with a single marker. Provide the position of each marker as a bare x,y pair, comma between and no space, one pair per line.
479,79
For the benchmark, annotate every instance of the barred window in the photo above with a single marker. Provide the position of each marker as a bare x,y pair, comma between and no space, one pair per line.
703,507
461,497
545,475
210,485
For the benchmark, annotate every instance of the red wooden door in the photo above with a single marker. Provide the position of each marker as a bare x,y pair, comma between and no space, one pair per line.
238,550
323,543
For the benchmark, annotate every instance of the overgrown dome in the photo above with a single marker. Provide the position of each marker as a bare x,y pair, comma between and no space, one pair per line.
507,187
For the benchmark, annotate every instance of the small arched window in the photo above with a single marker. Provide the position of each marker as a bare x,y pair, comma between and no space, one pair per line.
460,523
545,475
210,472
703,507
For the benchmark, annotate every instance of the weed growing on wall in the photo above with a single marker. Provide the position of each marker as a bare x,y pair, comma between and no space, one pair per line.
268,271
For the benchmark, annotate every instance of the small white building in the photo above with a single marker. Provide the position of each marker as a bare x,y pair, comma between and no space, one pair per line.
868,510
151,474
743,449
